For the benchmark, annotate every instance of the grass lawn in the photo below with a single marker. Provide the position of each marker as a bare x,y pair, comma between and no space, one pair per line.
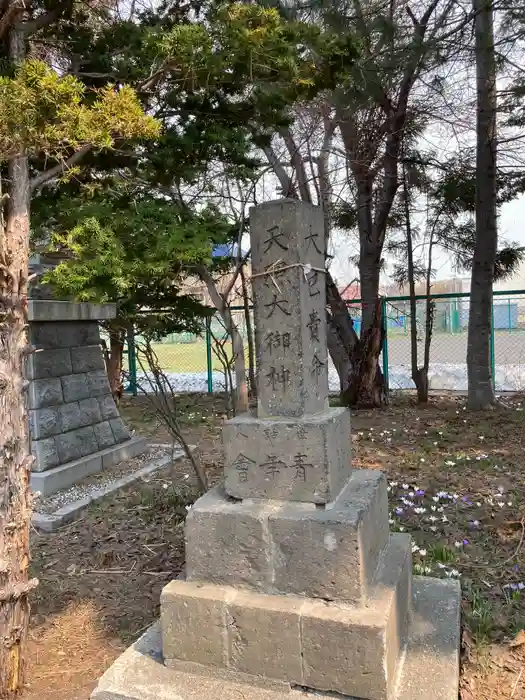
457,484
185,357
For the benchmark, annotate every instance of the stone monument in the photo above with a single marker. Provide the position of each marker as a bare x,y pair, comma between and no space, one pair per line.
293,584
76,428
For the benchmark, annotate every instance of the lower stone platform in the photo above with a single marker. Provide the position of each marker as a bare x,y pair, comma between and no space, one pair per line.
430,670
66,475
331,646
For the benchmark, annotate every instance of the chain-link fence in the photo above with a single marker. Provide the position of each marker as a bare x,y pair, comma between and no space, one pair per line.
192,362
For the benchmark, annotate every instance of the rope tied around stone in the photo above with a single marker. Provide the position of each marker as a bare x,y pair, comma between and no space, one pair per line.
278,266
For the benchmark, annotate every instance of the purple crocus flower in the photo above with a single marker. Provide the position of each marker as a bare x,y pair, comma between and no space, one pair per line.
399,511
420,492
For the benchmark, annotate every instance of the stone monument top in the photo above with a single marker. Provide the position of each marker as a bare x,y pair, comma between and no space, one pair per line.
288,262
296,448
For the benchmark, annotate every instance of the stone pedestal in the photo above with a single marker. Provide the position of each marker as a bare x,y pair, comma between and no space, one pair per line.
76,428
292,576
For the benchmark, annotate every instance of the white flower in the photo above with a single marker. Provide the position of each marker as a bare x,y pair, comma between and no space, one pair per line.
420,510
435,499
415,548
401,528
458,545
427,570
444,519
186,476
188,508
423,552
509,503
433,528
501,489
422,459
440,509
405,486
481,437
411,494
433,508
393,483
164,486
500,504
432,519
440,565
455,573
440,432
434,443
478,504
391,521
450,463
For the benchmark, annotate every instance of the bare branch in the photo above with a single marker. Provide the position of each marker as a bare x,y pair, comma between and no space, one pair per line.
58,169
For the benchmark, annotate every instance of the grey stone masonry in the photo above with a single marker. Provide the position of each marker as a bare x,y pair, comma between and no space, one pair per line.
290,316
292,575
302,459
292,548
72,414
296,448
308,642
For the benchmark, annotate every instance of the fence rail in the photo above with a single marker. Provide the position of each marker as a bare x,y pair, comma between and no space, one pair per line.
190,361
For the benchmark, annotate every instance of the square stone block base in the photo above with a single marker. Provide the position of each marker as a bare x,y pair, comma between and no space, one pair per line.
430,670
295,459
296,548
329,646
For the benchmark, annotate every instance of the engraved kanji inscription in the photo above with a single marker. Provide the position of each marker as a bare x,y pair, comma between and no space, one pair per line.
242,464
317,366
277,303
274,239
312,239
273,466
275,340
301,466
270,434
278,378
313,325
302,433
312,280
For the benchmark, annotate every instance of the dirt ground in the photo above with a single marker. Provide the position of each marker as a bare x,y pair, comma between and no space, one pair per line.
457,484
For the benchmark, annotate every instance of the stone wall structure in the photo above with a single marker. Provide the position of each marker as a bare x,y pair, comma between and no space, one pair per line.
76,428
292,575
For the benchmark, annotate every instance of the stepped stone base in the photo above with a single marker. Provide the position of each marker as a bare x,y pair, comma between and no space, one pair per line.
353,650
292,548
430,670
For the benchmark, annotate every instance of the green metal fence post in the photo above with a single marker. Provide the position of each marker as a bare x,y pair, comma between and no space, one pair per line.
385,343
132,361
209,365
492,354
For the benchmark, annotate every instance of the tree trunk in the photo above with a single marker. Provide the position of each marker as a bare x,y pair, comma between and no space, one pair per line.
114,363
15,457
241,390
249,334
419,374
480,381
370,388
